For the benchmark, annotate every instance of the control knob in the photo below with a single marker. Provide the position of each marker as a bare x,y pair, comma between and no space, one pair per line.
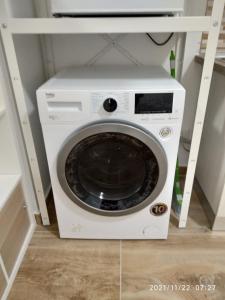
110,105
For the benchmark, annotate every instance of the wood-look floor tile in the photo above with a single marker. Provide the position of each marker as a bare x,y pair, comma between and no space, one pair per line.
181,260
90,270
189,257
68,269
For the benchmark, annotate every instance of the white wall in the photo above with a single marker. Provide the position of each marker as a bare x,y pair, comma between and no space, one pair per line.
78,50
8,157
9,163
191,72
211,164
19,8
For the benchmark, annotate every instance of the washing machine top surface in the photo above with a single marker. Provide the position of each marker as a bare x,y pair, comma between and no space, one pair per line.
122,78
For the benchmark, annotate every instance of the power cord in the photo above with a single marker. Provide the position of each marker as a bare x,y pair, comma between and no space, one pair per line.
162,43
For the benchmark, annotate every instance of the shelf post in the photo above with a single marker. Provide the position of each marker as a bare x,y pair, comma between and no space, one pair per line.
216,20
10,53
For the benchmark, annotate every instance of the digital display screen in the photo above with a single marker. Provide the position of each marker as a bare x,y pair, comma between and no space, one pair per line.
154,103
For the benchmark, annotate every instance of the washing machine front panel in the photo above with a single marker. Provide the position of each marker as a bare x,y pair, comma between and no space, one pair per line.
80,119
112,169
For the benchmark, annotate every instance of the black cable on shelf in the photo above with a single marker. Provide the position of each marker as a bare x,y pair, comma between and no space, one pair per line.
162,43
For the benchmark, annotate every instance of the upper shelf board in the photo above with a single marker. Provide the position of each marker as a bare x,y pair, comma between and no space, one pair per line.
106,25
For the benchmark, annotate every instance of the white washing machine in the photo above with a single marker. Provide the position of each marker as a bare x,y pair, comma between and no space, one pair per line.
111,137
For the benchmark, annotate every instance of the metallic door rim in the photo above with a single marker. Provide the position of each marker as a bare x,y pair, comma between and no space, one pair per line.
119,127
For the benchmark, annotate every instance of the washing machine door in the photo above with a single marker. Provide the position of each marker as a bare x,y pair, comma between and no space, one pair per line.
112,168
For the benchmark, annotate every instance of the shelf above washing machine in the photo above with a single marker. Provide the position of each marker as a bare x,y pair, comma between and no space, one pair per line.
106,25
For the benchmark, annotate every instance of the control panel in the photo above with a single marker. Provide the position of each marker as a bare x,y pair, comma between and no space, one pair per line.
143,106
110,103
154,103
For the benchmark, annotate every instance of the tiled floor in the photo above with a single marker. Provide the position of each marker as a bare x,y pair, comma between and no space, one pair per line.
55,269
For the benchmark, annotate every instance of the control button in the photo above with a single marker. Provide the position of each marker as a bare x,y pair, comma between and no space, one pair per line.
165,132
110,105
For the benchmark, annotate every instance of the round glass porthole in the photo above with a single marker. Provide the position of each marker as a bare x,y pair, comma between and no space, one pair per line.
111,173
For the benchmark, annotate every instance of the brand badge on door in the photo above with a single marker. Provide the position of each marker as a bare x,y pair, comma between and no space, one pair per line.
158,209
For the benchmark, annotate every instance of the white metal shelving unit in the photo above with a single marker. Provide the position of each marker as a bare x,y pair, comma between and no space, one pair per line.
17,222
178,24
